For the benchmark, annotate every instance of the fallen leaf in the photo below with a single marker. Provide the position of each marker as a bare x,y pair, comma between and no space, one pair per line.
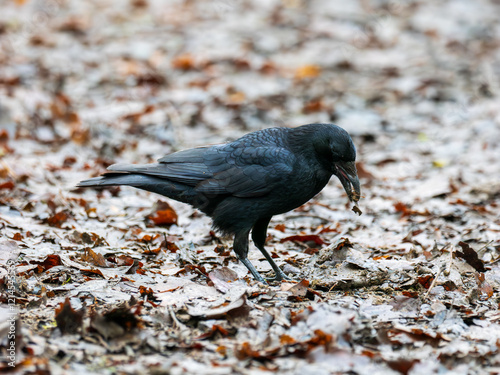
245,351
79,134
94,258
402,209
68,320
183,62
280,227
149,294
136,116
49,262
116,322
425,281
402,366
301,292
237,309
471,257
305,238
222,278
357,210
315,105
363,172
287,340
135,268
7,185
92,272
485,288
75,25
236,98
58,219
216,329
307,71
164,215
320,339
9,251
401,334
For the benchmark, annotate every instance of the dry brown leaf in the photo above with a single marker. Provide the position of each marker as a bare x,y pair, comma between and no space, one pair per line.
222,278
305,238
183,62
94,258
58,219
315,105
49,262
7,185
236,98
163,214
68,320
280,227
216,329
470,256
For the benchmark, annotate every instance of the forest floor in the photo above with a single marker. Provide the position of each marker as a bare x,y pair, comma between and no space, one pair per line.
121,281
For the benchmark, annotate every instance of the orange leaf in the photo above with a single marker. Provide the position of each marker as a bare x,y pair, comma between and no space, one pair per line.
236,98
287,340
183,62
304,238
58,219
171,246
164,215
79,135
425,281
307,71
9,185
321,339
280,227
49,262
314,105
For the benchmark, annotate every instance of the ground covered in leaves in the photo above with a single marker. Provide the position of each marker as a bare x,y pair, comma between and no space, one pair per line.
123,281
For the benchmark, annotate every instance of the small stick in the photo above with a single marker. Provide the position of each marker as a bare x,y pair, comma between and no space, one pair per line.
176,321
433,284
450,261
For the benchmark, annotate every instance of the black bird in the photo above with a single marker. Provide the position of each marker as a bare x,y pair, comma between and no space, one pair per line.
244,183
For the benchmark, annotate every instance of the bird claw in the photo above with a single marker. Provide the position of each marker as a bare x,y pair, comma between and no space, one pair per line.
280,276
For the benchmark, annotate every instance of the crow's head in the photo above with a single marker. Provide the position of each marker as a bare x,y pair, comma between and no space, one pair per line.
335,150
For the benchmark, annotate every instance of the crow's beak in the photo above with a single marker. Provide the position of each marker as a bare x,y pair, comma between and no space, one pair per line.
348,176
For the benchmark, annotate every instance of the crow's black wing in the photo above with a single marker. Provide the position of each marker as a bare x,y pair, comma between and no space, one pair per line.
252,172
234,169
186,167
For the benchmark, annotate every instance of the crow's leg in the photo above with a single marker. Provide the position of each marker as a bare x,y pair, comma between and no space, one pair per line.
259,234
240,247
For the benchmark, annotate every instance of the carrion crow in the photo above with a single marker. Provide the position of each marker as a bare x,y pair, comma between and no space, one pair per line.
241,185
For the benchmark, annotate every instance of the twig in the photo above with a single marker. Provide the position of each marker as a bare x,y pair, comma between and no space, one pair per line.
176,321
478,251
450,261
433,283
333,286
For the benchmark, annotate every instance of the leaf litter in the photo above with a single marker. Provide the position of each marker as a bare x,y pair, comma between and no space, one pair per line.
120,280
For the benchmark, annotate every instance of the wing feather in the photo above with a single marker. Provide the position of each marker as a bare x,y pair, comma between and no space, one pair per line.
240,170
255,172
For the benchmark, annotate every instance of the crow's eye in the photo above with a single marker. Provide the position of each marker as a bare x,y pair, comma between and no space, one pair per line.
334,152
336,156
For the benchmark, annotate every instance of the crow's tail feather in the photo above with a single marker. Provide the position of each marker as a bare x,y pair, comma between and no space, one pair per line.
150,183
171,189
